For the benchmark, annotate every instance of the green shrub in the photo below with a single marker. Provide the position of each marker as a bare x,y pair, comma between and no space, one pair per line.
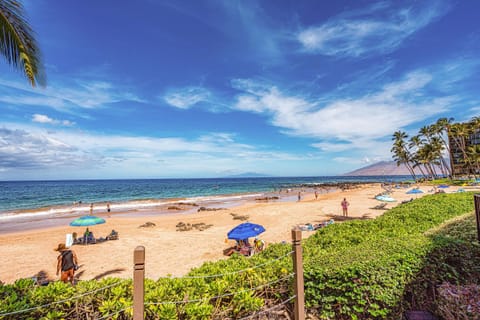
368,269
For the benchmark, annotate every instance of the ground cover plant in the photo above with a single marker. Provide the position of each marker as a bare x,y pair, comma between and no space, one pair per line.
365,269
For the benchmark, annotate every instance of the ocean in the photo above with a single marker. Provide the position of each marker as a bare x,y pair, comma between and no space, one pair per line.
73,197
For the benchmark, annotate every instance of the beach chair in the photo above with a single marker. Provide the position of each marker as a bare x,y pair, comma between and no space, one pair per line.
380,206
89,239
242,247
113,235
247,251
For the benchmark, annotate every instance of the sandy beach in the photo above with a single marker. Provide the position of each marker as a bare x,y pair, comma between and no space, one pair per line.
172,252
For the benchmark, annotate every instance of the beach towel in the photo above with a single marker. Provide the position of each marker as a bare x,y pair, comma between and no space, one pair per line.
68,240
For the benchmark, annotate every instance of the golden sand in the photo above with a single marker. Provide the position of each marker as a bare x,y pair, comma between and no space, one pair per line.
172,252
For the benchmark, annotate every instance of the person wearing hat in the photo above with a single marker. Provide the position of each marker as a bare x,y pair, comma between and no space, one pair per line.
259,245
66,263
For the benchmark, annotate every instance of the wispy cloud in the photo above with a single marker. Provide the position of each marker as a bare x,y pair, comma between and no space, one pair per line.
346,123
41,118
26,150
29,147
357,33
186,97
67,96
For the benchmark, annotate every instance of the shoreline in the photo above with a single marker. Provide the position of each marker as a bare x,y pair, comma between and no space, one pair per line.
169,251
59,215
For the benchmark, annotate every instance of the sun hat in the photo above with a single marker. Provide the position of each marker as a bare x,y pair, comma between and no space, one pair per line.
60,247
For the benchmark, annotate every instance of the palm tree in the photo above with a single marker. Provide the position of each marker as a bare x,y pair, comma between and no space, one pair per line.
18,44
474,158
400,151
475,122
441,128
438,148
415,144
459,134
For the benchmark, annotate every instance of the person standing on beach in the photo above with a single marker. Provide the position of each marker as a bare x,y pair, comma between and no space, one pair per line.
91,208
66,263
299,196
108,207
316,194
345,205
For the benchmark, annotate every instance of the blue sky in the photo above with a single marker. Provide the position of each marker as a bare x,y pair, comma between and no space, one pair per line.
161,89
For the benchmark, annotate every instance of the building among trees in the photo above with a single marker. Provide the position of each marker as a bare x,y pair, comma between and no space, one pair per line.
464,145
423,155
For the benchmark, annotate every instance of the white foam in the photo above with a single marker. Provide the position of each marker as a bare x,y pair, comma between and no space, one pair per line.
82,209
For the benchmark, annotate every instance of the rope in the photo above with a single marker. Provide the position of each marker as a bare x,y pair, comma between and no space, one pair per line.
269,309
230,273
60,301
175,302
223,295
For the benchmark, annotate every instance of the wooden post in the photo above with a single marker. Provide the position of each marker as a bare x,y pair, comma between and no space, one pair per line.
299,311
476,199
138,282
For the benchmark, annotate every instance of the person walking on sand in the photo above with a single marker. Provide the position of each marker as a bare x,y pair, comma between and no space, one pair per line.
345,205
91,208
108,207
66,263
316,194
299,195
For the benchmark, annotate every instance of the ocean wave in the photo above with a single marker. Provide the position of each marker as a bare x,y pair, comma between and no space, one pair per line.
119,207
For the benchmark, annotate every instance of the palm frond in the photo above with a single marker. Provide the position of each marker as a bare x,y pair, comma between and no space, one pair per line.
18,44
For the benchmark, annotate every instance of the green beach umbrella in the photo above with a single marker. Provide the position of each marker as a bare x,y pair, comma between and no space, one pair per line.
86,221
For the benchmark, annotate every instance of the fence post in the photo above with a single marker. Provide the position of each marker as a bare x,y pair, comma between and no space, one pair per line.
138,282
476,198
299,311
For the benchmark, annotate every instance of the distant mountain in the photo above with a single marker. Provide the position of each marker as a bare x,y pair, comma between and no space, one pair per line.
388,168
248,175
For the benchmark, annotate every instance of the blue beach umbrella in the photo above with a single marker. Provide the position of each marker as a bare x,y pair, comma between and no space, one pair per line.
414,191
86,221
245,230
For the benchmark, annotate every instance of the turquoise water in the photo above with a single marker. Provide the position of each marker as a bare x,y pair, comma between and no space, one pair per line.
34,195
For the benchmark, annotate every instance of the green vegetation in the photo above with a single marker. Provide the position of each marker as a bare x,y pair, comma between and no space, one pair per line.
453,182
424,150
368,269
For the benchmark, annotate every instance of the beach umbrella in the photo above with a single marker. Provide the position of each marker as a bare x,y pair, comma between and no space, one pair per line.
414,191
385,198
86,221
245,230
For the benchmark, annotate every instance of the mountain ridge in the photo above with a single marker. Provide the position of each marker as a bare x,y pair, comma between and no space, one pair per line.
388,168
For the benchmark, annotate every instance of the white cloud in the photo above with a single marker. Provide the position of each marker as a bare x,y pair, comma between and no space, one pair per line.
83,153
27,150
80,94
346,123
41,118
185,98
355,34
